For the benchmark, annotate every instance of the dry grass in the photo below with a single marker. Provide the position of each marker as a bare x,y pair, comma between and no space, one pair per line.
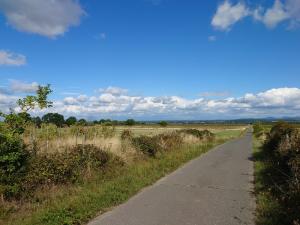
64,138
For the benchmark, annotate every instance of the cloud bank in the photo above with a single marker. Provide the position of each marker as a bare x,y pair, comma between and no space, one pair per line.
49,18
114,102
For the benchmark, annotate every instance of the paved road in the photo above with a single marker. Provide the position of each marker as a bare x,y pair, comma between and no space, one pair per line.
210,190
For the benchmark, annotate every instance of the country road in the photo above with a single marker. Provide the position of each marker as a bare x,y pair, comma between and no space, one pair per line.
214,189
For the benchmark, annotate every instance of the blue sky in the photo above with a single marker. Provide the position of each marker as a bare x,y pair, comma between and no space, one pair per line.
213,51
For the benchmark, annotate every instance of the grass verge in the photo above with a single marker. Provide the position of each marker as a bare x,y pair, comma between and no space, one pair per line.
77,205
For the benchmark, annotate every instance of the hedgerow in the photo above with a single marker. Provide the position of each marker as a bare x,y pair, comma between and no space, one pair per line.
282,155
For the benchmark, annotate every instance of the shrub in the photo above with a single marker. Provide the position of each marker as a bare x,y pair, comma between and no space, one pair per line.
277,133
13,164
148,145
283,155
159,143
170,141
65,167
126,135
130,122
258,129
200,134
163,123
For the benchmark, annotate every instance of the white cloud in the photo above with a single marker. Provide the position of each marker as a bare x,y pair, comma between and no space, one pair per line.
44,17
17,86
274,102
11,59
273,16
228,14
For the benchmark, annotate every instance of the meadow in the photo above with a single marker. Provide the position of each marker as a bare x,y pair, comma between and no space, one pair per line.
75,172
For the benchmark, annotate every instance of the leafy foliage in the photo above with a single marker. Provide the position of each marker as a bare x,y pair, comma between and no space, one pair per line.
148,145
258,129
13,164
39,100
281,175
65,167
163,123
54,118
71,121
130,122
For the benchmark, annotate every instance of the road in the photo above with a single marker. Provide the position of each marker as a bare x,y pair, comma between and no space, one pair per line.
210,190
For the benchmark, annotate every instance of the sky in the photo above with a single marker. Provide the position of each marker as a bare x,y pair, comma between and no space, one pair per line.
153,59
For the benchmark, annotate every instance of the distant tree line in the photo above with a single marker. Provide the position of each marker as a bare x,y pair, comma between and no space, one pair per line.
60,121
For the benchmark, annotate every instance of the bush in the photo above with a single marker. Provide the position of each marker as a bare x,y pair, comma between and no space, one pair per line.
13,164
279,131
130,122
258,129
65,167
200,134
283,157
126,135
163,123
170,141
148,145
159,143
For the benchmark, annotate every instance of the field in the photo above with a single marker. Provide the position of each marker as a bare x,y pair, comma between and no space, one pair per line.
147,153
50,138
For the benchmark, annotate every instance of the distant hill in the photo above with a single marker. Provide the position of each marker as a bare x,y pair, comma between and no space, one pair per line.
235,121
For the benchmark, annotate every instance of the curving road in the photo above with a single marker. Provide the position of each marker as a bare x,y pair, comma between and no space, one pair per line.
214,189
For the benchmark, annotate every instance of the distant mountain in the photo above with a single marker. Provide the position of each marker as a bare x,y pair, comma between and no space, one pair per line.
232,121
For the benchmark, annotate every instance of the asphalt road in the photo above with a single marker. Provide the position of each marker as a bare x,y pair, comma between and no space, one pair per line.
210,190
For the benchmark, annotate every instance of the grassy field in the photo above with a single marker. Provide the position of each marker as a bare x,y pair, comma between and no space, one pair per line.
78,203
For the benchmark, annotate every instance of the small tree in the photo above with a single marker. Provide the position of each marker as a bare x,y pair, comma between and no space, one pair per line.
163,123
13,154
130,122
71,121
82,122
258,129
54,118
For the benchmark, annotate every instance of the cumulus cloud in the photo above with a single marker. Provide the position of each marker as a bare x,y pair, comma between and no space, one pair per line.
11,59
44,17
228,14
272,16
17,86
110,104
273,102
